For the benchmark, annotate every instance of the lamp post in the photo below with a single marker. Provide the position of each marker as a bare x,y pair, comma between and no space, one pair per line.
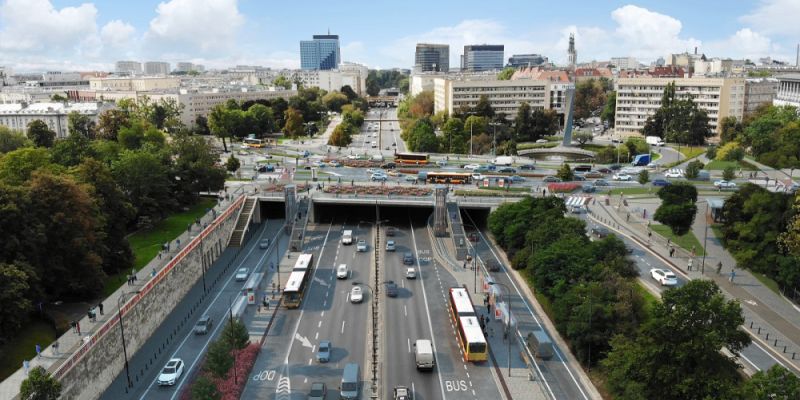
508,325
705,240
122,333
494,137
230,313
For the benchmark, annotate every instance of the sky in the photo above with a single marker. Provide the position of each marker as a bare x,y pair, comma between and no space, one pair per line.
38,35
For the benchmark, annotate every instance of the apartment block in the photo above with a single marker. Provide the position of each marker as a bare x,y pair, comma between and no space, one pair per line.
504,96
128,67
17,116
639,98
156,68
758,91
135,84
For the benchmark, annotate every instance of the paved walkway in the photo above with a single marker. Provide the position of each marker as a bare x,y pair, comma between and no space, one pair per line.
773,320
50,358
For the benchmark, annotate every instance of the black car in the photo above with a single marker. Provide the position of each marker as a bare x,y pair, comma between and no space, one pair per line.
615,167
507,170
527,167
492,265
604,170
391,289
388,165
599,232
390,231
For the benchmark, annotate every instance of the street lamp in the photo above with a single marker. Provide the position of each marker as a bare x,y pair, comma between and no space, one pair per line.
230,313
508,325
122,333
494,137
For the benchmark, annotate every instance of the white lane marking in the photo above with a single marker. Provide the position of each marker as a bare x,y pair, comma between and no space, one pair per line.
405,310
323,314
208,339
316,336
319,324
342,327
427,311
309,361
409,344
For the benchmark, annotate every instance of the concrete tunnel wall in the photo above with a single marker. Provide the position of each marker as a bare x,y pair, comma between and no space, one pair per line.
94,371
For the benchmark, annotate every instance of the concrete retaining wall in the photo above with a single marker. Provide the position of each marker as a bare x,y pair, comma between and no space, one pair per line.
92,369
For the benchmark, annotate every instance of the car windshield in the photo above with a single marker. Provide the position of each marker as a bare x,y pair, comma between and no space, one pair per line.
323,347
243,271
349,386
316,392
169,370
669,275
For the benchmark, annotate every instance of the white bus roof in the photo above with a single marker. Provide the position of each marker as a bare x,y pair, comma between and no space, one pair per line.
462,301
472,330
295,280
303,262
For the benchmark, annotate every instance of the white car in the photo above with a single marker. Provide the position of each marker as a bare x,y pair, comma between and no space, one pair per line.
477,177
723,184
341,271
171,372
374,144
379,177
361,245
411,273
241,274
664,277
356,296
674,173
472,166
622,177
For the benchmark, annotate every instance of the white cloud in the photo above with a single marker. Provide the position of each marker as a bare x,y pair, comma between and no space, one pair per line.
117,33
775,17
186,27
36,26
745,43
647,34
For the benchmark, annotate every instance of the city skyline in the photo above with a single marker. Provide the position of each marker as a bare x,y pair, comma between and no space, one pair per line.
37,35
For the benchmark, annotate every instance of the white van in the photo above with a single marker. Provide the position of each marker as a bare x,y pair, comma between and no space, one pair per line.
347,237
341,271
423,354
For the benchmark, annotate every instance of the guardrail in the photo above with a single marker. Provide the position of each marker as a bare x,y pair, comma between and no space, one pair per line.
70,362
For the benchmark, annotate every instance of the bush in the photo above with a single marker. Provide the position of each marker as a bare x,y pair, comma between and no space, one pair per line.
644,177
565,173
729,173
204,389
731,151
693,169
235,335
711,152
219,359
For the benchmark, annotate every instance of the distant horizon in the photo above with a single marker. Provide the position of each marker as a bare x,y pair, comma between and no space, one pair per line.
67,35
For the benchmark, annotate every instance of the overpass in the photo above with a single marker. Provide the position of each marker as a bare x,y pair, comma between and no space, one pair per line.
382,100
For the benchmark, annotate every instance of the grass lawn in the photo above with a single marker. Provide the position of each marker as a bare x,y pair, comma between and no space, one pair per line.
23,346
146,243
685,241
721,165
717,230
650,300
690,152
511,189
634,190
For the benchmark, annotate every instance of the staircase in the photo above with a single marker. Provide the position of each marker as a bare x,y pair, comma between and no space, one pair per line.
457,230
243,223
299,226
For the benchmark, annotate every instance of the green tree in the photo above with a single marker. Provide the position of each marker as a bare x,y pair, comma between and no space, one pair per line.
776,383
505,74
609,112
235,334
693,169
194,162
143,177
15,290
678,217
483,108
543,123
80,124
201,126
729,173
334,101
204,389
523,124
222,123
730,130
590,97
678,193
71,151
12,140
262,119
681,341
294,123
453,138
565,173
39,385
643,177
352,116
421,137
219,359
582,137
40,134
340,137
282,81
232,164
109,123
17,167
349,92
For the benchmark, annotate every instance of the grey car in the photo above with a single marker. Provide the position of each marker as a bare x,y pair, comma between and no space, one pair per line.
203,325
324,351
390,245
318,391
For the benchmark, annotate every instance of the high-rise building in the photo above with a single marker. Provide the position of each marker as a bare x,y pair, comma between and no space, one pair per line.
526,60
322,52
625,62
572,54
482,57
128,67
156,68
432,57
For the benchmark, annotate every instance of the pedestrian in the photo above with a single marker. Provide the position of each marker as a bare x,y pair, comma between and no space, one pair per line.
26,365
690,264
644,214
465,265
628,218
78,327
153,272
733,275
100,307
159,255
177,243
38,350
72,325
55,348
719,267
669,242
693,251
671,251
649,234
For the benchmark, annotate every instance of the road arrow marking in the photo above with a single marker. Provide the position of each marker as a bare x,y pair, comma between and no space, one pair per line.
304,341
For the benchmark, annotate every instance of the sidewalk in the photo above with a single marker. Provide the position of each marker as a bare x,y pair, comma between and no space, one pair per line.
772,320
69,342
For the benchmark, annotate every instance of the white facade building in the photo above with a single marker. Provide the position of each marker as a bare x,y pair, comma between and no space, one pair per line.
137,84
623,63
788,90
156,68
504,96
128,67
17,116
758,91
639,98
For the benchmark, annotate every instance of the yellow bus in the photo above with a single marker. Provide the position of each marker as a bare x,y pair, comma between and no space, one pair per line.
470,335
255,143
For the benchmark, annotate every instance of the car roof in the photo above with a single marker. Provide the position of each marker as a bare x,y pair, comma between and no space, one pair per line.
205,318
173,362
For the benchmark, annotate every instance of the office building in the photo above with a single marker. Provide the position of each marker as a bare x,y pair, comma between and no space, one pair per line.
321,53
788,90
432,57
526,60
625,62
758,91
505,96
156,68
639,98
17,116
482,57
128,68
134,84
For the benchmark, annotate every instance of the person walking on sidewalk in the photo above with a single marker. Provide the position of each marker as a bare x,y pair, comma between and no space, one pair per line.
733,274
690,264
100,307
719,267
671,251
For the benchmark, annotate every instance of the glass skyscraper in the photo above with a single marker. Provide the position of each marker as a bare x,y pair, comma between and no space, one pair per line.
482,57
320,53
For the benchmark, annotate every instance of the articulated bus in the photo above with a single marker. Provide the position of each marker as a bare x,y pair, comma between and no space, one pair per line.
410,158
455,178
470,334
255,143
298,279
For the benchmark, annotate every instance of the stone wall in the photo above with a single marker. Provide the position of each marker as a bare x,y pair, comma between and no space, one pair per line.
92,369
